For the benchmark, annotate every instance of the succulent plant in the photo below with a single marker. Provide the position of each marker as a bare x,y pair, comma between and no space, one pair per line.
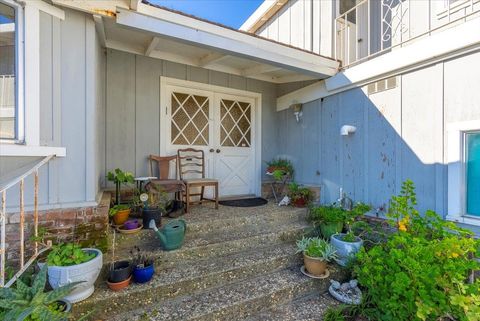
31,302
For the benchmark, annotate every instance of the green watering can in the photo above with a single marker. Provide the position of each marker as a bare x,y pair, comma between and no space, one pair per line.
171,235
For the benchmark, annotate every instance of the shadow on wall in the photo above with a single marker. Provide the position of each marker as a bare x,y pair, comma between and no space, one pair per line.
399,135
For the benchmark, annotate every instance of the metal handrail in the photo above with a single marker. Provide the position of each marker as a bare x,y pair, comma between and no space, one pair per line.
8,184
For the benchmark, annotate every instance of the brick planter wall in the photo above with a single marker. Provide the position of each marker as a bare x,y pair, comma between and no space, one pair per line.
87,225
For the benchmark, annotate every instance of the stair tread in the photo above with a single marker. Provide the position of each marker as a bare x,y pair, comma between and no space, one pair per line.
210,266
148,240
308,308
216,300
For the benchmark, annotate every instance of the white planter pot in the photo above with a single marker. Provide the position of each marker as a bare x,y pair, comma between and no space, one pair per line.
345,250
87,272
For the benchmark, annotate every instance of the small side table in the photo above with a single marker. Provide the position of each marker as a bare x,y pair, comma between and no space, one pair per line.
281,183
140,180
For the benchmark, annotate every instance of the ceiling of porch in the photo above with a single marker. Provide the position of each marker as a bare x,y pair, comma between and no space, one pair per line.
159,33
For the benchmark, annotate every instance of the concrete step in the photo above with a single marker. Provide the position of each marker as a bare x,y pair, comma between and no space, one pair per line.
211,244
236,301
187,279
309,308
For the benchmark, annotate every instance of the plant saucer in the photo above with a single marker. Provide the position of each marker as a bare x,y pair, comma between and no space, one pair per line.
122,230
324,276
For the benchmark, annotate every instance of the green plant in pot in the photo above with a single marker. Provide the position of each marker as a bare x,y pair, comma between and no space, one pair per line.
348,244
119,213
330,219
30,302
119,178
299,196
316,254
69,263
153,203
280,169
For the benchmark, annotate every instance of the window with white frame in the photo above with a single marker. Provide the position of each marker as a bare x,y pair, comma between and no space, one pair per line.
463,156
472,173
8,63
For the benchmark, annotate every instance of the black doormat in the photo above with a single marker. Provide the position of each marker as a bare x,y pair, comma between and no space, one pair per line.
245,202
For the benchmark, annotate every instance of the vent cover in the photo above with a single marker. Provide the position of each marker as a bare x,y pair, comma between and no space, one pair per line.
382,85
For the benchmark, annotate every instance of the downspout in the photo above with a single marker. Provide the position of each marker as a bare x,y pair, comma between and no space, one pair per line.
311,26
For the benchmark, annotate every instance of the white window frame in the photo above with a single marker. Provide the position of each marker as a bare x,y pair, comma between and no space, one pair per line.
456,155
19,74
27,142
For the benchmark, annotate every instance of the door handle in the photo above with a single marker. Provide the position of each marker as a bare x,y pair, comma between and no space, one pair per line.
218,150
211,150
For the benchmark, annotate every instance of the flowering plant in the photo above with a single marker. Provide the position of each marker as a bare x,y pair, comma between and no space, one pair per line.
420,273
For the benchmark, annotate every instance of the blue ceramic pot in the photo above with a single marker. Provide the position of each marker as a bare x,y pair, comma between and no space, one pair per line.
143,275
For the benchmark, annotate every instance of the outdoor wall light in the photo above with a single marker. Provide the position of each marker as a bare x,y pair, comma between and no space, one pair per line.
347,130
297,111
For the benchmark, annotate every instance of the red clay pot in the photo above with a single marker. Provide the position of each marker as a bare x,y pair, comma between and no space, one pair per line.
119,285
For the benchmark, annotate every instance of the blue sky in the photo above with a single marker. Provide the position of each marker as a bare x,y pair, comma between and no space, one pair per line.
228,12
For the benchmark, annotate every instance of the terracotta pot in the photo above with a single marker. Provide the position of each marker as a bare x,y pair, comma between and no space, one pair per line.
119,285
121,217
314,265
299,202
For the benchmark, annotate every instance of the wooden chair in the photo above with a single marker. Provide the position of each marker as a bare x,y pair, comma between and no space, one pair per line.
192,161
171,185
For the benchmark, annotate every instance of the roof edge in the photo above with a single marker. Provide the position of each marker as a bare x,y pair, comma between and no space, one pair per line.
263,13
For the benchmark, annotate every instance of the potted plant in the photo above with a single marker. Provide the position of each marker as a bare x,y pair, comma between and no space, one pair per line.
30,302
69,263
119,213
316,254
120,178
153,203
348,244
299,196
142,263
280,169
329,219
120,272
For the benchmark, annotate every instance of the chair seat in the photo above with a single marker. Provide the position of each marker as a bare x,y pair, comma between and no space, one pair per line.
191,181
170,185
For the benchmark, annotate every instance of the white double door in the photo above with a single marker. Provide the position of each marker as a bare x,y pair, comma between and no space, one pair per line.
220,124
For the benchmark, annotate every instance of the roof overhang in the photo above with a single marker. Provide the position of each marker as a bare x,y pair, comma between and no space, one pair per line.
168,35
263,13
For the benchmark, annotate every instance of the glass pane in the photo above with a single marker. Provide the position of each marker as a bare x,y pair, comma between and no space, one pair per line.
473,174
7,72
235,123
190,121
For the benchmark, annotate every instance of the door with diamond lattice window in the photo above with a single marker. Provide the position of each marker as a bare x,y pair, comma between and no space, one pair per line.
234,165
222,126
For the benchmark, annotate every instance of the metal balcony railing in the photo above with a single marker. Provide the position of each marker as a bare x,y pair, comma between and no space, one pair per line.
373,27
7,184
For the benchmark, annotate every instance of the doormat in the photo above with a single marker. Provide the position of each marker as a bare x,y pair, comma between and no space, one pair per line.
245,202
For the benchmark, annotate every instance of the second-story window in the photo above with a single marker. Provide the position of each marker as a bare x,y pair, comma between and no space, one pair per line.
8,110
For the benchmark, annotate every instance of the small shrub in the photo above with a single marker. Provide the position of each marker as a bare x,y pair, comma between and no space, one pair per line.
420,272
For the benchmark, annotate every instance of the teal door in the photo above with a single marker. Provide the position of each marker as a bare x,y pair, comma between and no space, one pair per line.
473,173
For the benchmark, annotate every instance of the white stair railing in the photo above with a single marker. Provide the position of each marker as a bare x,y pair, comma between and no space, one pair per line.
6,185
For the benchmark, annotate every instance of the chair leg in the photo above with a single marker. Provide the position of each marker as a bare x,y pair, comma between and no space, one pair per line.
216,196
187,198
202,194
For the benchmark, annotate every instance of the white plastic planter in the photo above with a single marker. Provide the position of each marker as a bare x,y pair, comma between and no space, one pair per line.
87,272
345,250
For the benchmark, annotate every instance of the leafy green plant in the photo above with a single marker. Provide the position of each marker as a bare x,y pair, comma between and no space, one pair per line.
279,168
317,248
420,272
326,214
68,254
296,193
31,303
117,208
120,178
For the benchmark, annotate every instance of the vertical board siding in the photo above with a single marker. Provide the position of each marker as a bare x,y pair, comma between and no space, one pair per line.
400,135
133,107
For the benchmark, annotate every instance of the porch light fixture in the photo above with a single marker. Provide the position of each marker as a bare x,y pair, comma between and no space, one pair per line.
297,111
347,130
